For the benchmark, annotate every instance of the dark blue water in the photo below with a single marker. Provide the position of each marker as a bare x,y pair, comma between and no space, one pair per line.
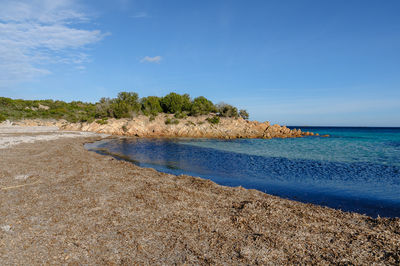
355,169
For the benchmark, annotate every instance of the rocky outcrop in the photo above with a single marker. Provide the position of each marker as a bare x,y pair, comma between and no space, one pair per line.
190,127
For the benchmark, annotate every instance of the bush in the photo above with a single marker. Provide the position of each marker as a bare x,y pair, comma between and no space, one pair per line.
131,99
243,114
213,120
72,119
180,115
202,106
173,103
227,110
103,108
102,121
190,123
151,105
86,118
125,105
6,102
170,121
2,118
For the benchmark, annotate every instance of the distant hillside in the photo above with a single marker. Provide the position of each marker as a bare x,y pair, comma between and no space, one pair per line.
125,105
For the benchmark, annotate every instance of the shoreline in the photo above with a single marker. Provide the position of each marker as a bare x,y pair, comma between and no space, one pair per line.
90,208
189,127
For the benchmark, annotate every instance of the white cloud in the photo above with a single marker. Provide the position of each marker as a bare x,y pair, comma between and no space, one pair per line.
36,33
156,59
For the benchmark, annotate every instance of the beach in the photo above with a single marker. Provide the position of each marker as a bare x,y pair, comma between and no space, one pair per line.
62,204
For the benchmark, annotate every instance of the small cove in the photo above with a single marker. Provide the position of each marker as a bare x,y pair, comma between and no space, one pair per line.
356,169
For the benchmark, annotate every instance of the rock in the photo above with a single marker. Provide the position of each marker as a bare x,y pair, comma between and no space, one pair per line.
21,177
6,123
195,127
6,228
44,107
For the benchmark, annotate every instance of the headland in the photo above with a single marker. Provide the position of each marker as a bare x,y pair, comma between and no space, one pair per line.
166,126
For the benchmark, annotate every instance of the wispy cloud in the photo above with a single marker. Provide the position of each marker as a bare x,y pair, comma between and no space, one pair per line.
37,33
156,59
140,15
80,67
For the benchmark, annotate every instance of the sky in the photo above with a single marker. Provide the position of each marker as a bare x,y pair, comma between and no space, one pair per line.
292,62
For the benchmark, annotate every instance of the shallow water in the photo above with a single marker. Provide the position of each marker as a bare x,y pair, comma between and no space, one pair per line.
355,169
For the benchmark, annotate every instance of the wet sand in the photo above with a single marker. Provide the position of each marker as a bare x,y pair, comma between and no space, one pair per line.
61,204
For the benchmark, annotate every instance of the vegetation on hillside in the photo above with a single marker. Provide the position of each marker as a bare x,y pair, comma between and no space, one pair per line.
125,105
46,109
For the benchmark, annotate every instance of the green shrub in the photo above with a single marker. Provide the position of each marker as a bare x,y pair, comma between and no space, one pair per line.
151,105
243,114
2,118
125,105
202,106
190,123
152,118
6,102
102,121
227,110
86,118
173,103
72,119
180,115
103,108
170,121
213,120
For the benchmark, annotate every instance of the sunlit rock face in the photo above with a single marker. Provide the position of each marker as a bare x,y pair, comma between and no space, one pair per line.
190,127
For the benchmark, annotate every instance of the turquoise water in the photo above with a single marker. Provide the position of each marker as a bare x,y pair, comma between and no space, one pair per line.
343,145
355,169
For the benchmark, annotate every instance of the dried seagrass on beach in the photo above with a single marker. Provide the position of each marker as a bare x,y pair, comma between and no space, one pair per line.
75,206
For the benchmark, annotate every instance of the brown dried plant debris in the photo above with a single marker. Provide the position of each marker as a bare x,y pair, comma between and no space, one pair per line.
92,209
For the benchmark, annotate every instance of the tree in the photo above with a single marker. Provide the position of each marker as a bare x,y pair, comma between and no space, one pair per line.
131,99
103,108
243,114
227,110
202,106
151,105
125,105
186,103
175,103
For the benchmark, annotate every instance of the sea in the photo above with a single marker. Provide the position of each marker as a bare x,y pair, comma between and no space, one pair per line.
355,169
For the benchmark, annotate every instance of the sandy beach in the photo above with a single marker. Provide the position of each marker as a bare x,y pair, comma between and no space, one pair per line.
61,204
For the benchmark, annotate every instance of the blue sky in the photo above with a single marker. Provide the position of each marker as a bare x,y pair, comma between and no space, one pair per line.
290,62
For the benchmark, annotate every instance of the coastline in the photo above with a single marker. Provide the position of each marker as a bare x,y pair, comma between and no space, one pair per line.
189,127
82,207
